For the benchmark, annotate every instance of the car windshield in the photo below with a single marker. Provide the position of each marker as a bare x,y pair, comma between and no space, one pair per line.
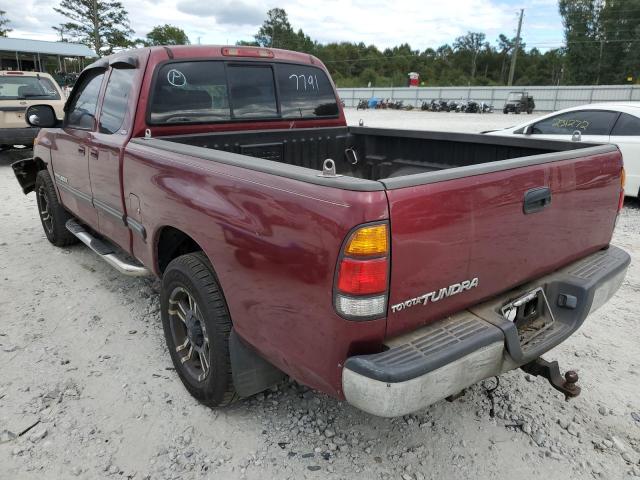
515,96
21,87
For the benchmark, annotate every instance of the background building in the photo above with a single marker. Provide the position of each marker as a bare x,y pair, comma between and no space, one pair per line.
60,59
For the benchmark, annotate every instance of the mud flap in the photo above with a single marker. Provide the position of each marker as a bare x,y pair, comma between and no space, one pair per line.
251,373
25,172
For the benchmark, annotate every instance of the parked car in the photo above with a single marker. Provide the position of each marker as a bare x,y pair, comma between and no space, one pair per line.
617,123
518,102
386,267
19,90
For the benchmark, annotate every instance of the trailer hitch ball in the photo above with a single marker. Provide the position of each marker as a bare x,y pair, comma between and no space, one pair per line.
551,371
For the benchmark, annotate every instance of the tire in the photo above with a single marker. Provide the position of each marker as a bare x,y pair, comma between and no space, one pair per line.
53,216
183,319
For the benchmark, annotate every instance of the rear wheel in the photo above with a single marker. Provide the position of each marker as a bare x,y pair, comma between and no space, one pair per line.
52,215
196,325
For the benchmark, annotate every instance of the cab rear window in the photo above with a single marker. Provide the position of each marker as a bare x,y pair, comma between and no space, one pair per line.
17,87
218,91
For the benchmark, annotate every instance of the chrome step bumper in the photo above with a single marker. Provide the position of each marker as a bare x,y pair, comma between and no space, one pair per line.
441,359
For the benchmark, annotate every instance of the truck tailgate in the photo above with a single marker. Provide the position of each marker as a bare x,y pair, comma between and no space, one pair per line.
446,234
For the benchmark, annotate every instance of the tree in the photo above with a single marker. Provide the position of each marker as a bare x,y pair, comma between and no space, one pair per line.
102,25
581,31
4,24
472,42
276,31
166,35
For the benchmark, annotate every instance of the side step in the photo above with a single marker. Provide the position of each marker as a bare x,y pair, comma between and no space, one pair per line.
106,252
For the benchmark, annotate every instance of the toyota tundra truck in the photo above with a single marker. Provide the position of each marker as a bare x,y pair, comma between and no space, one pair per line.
389,268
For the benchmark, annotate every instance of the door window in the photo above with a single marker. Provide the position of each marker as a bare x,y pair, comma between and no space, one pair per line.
627,125
587,122
82,111
116,99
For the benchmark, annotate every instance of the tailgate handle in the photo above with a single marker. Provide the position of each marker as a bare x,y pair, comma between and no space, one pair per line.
537,199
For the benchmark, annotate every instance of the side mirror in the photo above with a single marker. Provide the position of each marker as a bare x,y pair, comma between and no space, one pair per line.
528,130
42,116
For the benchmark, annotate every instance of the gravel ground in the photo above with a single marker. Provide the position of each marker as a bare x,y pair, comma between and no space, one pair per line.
87,389
444,121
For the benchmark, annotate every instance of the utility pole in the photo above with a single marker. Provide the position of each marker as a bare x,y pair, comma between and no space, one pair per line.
512,69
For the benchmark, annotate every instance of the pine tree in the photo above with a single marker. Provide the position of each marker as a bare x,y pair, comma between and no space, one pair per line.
103,25
4,24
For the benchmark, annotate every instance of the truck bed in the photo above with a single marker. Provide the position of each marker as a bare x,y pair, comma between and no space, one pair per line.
373,154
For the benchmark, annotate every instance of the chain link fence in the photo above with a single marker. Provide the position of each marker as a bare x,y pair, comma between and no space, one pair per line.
546,98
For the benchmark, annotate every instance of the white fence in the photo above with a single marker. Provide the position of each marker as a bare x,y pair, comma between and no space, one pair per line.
546,98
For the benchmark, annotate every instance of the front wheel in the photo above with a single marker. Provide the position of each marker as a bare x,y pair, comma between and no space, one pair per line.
52,214
196,325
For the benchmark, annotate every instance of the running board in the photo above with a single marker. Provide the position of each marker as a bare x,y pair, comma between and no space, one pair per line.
106,252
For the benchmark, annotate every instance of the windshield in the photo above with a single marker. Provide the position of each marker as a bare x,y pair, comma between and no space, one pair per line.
21,88
515,96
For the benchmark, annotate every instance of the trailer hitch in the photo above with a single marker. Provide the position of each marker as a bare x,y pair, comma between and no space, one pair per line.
551,371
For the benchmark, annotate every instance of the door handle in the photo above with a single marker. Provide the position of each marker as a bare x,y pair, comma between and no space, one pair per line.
81,150
537,199
93,152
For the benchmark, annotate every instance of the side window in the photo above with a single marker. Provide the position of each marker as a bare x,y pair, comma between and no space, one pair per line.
190,92
588,122
82,111
627,125
252,91
116,99
305,92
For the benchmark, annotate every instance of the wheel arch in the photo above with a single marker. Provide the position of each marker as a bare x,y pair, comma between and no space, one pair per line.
171,242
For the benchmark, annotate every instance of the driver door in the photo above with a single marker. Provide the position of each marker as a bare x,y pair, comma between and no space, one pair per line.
70,153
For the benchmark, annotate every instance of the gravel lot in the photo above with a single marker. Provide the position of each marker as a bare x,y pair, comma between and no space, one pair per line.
87,389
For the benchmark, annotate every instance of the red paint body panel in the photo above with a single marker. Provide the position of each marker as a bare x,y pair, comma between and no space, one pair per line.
448,232
274,243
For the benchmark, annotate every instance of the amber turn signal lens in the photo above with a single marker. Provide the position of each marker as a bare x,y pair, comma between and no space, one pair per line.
623,178
368,241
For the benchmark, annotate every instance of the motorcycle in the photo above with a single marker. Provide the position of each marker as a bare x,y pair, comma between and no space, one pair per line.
486,108
362,104
472,107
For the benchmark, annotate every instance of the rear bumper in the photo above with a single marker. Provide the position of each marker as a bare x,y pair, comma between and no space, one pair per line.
431,363
18,136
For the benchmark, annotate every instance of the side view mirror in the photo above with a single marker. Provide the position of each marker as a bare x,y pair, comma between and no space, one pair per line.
528,130
42,116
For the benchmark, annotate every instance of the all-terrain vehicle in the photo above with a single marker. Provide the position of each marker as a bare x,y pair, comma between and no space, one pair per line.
518,102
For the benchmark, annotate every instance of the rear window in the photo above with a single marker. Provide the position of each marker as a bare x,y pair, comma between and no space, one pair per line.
190,92
218,91
23,88
253,92
305,92
627,125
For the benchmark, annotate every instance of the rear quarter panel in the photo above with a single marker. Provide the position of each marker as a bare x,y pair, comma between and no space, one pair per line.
273,242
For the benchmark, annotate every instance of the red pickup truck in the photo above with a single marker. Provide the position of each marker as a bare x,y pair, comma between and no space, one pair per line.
388,268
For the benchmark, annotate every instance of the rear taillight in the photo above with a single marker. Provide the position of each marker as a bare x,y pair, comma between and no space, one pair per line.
362,279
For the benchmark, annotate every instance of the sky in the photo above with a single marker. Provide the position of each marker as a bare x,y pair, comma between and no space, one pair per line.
383,23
